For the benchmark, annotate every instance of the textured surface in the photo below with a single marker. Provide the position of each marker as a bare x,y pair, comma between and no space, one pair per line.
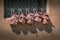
7,34
11,6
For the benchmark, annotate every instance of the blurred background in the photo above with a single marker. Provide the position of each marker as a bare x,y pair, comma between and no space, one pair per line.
53,9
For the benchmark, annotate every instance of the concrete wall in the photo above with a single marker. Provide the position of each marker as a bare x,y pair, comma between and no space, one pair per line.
54,12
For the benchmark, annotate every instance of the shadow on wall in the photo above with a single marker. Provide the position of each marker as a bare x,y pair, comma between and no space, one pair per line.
32,28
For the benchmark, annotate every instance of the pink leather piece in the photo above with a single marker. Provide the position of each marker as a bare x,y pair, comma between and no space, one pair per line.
14,19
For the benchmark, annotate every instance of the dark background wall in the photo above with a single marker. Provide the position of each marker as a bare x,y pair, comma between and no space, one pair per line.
54,13
16,5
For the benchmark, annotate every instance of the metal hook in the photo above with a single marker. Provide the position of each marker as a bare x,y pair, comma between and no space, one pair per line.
12,11
34,10
27,10
19,11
